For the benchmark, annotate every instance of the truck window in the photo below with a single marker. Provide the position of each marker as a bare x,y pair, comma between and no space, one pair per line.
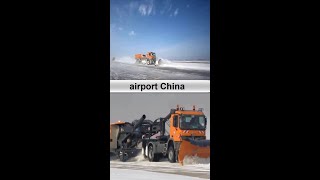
192,122
167,128
202,121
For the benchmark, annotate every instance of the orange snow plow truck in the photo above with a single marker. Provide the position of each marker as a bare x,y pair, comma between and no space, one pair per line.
182,133
148,59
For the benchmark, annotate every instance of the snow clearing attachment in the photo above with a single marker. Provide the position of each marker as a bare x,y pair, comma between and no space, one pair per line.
200,148
125,137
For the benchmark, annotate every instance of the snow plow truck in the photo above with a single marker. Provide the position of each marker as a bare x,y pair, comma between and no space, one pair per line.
147,59
180,134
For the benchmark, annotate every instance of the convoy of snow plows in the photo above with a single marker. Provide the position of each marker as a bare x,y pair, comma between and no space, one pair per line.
180,134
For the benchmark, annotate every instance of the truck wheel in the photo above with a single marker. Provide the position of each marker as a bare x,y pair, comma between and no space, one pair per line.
152,157
171,155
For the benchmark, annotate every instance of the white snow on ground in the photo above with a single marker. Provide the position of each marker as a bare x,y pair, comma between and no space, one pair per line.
192,65
187,64
191,168
126,59
126,71
196,161
145,175
188,161
139,158
165,165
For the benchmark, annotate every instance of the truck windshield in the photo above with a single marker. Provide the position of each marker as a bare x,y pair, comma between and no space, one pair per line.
192,122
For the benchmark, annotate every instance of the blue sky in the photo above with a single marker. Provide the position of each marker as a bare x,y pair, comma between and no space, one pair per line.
173,29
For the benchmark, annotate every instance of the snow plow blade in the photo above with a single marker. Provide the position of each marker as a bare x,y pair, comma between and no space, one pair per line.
199,148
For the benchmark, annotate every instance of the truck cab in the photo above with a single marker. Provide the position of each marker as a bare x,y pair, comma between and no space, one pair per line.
180,133
186,124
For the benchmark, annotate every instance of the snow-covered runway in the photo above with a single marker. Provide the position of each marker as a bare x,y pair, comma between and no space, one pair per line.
140,169
167,71
128,174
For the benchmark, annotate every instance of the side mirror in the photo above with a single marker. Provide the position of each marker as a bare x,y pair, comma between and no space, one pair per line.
175,121
205,122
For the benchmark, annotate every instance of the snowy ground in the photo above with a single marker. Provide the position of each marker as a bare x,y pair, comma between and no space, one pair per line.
143,169
128,174
125,69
